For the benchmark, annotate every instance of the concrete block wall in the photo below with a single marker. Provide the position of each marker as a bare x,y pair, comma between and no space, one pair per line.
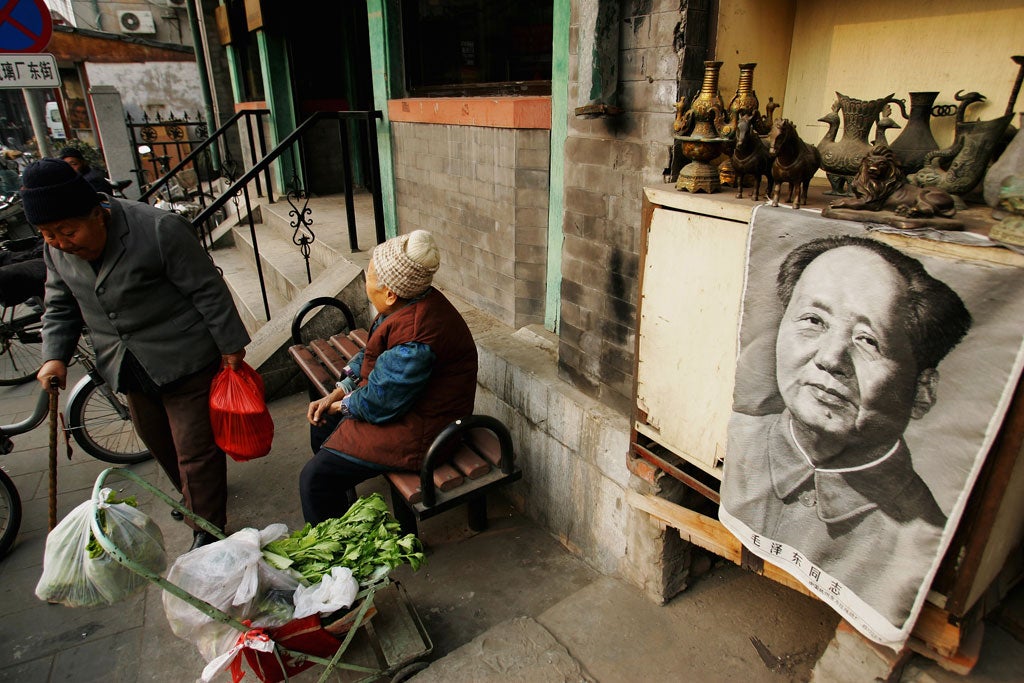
607,163
483,192
572,450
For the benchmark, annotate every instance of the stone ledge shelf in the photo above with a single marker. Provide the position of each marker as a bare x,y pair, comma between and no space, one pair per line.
489,112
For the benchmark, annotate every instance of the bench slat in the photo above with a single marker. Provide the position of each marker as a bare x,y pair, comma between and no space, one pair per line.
359,336
329,356
469,463
408,484
485,444
311,367
345,346
447,478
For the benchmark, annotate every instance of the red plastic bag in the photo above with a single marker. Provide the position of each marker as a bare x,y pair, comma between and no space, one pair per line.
242,426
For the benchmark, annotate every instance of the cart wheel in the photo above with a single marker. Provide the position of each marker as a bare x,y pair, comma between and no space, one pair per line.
407,672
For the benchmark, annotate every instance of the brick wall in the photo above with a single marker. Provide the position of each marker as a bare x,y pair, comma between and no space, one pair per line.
483,192
607,163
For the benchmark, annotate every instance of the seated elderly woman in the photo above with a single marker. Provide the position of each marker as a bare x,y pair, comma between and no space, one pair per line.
415,376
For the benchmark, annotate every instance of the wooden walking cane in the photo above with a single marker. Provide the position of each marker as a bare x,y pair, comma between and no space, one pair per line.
54,394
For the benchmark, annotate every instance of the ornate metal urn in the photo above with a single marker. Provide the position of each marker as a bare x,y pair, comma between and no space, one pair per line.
916,140
841,158
698,132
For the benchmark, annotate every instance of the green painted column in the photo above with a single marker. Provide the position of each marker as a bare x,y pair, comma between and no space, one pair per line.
385,63
277,89
556,178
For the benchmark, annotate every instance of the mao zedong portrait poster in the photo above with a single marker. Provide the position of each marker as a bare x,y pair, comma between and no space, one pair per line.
870,383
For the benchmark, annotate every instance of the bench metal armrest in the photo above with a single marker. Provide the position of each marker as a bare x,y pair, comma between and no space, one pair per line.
300,315
457,430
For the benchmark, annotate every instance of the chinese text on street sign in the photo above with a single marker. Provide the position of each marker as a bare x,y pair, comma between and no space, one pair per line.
28,71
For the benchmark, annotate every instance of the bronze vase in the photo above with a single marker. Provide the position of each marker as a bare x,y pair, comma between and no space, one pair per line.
704,142
708,108
916,140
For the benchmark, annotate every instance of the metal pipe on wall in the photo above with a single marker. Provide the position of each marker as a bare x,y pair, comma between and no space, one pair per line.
199,49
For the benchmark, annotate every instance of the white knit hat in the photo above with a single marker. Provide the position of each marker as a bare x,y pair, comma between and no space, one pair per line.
406,264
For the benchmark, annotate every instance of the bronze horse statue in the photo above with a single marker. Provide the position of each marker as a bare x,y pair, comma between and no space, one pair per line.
750,157
795,162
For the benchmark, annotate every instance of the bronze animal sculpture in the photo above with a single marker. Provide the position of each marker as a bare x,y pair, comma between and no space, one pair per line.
750,157
795,162
881,185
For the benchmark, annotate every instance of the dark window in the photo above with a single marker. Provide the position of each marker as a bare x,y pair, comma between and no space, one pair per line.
477,47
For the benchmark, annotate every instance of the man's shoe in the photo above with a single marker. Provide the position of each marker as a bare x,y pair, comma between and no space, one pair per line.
176,513
201,538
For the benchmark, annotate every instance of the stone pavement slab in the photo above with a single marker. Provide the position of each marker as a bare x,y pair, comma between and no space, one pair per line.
519,649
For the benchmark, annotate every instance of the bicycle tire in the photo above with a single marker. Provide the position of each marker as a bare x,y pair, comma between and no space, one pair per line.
10,513
21,346
101,431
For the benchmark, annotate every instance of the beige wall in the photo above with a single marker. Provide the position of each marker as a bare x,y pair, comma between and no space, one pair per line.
757,32
873,48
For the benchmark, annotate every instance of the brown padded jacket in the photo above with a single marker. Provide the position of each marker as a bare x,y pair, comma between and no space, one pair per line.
448,395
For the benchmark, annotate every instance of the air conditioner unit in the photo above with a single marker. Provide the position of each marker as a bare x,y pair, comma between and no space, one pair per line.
136,22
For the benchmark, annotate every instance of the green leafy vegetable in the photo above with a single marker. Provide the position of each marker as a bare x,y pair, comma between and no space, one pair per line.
367,539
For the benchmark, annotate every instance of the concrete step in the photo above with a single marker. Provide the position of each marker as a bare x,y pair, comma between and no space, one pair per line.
328,219
284,268
243,282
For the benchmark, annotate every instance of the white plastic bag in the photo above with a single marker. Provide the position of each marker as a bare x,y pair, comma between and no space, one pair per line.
76,577
232,576
334,591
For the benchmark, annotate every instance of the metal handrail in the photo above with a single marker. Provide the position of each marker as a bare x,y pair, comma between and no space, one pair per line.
240,186
283,146
196,151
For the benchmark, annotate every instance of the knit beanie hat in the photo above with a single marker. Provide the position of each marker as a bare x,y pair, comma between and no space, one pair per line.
52,191
71,152
406,264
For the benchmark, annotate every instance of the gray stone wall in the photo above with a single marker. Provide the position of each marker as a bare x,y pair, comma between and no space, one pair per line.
483,192
608,161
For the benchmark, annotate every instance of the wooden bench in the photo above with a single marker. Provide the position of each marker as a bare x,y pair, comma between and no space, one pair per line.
482,455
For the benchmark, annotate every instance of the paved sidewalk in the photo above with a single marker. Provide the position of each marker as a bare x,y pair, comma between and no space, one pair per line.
512,595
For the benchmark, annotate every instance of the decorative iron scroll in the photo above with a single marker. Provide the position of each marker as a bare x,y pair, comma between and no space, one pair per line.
303,235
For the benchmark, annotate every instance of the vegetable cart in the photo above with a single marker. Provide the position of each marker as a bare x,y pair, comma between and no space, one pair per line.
393,644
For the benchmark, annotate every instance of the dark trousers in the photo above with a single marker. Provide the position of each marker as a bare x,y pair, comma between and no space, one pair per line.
327,485
175,426
327,482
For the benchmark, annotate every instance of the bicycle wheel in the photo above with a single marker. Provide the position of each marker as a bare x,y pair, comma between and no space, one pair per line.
10,513
21,345
103,429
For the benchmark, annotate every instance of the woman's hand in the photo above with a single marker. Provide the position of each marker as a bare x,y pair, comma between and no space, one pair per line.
320,408
53,369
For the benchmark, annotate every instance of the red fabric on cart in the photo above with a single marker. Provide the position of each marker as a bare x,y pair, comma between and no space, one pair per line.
304,635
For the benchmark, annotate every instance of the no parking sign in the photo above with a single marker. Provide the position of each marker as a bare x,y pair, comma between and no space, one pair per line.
25,26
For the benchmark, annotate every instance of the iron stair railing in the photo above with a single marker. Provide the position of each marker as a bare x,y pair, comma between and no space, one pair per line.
303,236
164,182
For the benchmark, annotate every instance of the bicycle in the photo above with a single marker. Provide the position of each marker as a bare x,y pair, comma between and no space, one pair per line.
98,419
20,343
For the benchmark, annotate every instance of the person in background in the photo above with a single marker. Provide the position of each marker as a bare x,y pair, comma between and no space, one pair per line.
93,176
161,320
416,375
